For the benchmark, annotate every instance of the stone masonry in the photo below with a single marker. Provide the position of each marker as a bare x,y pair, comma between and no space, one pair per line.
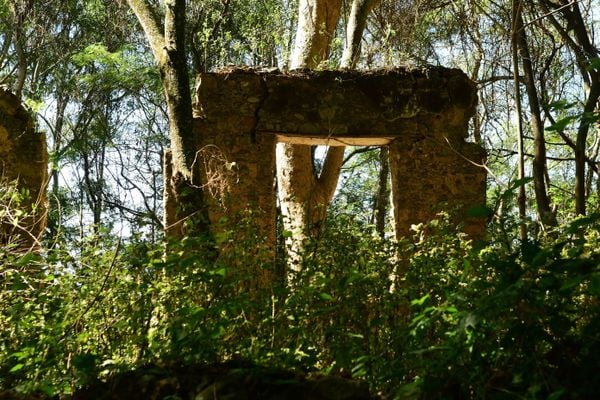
23,165
422,114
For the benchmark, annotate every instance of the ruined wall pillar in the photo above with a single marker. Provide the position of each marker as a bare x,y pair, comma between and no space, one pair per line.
23,167
238,173
430,175
432,165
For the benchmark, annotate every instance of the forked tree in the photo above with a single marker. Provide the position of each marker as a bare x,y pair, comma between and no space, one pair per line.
305,194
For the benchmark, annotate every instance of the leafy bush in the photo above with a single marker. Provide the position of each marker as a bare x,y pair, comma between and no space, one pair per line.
430,317
507,324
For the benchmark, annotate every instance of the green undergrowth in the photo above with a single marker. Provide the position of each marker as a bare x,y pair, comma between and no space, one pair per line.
435,316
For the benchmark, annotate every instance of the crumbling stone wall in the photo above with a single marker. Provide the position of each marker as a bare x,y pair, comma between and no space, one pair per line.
421,114
23,165
238,170
237,162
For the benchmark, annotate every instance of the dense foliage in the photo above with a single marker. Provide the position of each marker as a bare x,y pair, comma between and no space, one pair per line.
430,317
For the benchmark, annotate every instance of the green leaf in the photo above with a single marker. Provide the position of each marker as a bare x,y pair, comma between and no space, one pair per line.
594,63
36,106
352,276
25,353
26,259
571,283
589,118
515,185
48,389
561,124
560,105
85,362
576,225
410,391
222,237
419,302
556,395
17,367
325,296
82,337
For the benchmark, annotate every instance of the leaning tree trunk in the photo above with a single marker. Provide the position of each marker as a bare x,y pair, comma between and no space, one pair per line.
182,182
546,214
356,26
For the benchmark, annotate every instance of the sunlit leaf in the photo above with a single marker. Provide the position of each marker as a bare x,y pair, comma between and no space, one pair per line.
419,302
17,367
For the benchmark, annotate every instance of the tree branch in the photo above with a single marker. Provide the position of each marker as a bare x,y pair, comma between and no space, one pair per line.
151,25
327,181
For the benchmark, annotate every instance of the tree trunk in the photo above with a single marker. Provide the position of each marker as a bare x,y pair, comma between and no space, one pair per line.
537,127
169,51
592,79
521,199
354,32
304,195
382,199
57,142
19,12
317,21
576,36
302,203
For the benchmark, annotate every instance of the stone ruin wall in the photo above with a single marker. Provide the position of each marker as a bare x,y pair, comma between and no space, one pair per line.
24,160
421,114
225,125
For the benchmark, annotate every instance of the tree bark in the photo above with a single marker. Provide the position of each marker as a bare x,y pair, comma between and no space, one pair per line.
303,195
19,11
168,47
